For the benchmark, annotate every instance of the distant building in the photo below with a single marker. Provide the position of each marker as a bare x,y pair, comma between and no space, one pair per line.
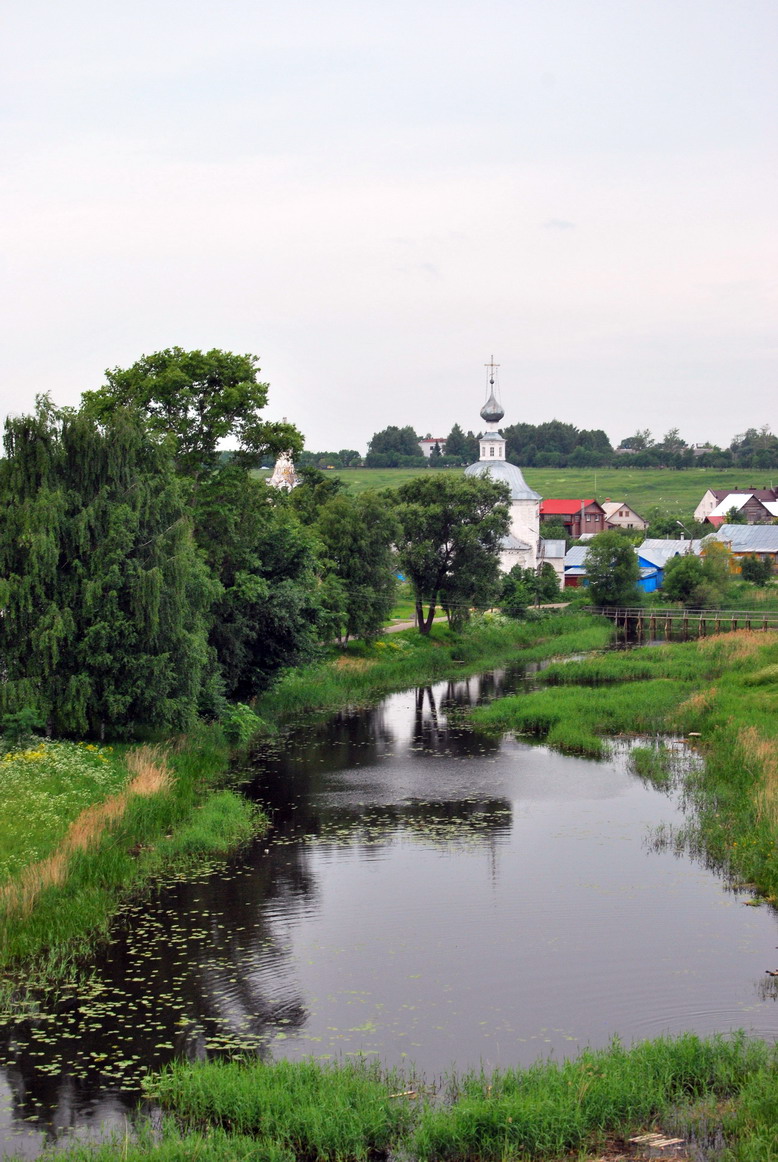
284,474
522,544
619,515
429,443
716,498
577,515
759,541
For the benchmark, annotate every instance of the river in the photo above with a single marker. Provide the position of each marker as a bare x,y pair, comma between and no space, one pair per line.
427,897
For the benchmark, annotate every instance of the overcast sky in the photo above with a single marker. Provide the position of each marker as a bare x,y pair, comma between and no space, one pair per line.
374,197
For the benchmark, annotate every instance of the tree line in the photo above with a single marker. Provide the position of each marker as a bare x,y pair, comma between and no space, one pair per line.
557,445
147,579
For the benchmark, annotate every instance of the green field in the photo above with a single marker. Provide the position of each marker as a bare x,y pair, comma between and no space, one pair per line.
675,492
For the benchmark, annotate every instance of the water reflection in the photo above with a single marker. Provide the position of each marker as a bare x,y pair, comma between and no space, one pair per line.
426,894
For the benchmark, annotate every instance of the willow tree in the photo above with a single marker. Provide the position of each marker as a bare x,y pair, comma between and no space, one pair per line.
104,596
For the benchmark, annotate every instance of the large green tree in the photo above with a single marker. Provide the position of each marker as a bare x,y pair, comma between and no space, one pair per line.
194,401
612,571
266,617
358,534
197,400
449,542
104,596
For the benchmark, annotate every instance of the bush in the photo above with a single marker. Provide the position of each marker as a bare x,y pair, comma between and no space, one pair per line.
240,724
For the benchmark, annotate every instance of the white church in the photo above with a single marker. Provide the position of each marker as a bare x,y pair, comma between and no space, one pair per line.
522,545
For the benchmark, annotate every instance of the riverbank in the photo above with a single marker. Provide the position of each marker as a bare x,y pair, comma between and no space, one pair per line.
721,691
716,1096
102,823
362,673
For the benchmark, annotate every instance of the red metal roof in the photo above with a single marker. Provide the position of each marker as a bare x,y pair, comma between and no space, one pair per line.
563,507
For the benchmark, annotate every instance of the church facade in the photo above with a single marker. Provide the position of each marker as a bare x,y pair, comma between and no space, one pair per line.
522,545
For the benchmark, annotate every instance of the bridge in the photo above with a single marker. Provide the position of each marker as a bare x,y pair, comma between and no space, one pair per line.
648,622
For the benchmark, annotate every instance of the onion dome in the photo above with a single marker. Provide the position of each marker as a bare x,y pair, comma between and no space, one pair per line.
492,412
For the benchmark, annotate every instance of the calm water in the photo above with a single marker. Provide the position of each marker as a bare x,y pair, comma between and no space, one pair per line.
425,897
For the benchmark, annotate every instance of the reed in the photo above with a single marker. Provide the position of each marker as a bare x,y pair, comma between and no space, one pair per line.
717,1090
351,1111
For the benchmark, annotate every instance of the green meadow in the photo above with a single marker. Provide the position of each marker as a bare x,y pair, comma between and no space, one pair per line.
675,492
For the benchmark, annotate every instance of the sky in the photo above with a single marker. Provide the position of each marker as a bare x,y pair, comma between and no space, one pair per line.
375,198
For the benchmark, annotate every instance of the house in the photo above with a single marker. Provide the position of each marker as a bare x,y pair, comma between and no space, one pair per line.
578,516
619,515
747,505
749,541
714,497
429,443
575,566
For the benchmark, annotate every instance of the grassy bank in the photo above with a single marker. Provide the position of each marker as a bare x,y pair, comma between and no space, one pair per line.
722,689
714,1092
362,673
98,824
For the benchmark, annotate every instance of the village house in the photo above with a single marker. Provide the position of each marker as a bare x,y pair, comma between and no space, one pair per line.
752,502
578,516
759,541
746,505
619,515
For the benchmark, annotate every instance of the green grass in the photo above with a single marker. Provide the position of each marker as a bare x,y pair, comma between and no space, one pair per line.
313,1110
48,784
184,825
676,493
717,1089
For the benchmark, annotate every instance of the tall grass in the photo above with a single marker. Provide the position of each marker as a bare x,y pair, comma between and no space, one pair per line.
723,1088
351,1111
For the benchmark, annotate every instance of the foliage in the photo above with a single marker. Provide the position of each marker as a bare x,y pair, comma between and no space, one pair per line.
698,582
612,571
524,587
357,535
240,724
756,571
267,615
105,598
194,400
315,489
448,543
460,448
388,446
